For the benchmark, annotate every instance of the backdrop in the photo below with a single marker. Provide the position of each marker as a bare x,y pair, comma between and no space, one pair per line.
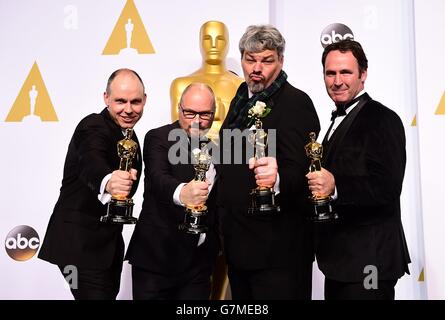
56,57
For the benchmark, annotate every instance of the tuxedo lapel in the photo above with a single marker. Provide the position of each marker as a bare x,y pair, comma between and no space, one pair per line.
138,164
181,170
331,146
117,131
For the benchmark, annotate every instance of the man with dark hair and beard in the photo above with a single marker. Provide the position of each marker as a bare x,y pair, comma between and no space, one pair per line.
269,257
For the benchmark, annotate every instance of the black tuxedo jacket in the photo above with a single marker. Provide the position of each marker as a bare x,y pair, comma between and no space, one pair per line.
157,245
366,155
75,234
258,243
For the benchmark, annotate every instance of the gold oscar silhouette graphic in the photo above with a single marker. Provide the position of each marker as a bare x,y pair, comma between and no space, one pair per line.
441,107
33,100
214,38
129,36
120,208
321,204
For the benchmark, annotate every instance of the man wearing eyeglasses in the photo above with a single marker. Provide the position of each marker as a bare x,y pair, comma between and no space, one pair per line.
168,263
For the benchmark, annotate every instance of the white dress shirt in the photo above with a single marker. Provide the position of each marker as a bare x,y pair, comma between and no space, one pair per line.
337,122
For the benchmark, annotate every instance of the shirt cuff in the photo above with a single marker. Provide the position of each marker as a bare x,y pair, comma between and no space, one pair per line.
276,186
176,199
335,195
104,197
202,238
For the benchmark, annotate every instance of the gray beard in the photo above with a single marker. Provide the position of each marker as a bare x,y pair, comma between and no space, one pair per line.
255,87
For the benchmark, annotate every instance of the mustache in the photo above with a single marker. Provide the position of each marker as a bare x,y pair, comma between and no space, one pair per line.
256,74
196,126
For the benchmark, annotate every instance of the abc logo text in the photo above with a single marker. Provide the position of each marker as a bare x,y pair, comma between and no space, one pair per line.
335,32
22,243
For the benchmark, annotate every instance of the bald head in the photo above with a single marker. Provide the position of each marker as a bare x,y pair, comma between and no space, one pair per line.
196,108
123,71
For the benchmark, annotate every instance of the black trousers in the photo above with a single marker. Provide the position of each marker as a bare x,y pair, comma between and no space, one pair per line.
271,284
94,284
336,290
194,284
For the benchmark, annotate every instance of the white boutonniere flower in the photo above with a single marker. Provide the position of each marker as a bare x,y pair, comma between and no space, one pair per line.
259,110
196,152
201,156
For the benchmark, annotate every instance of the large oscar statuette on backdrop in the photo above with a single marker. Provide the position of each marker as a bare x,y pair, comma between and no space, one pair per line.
214,47
262,198
322,208
194,218
120,208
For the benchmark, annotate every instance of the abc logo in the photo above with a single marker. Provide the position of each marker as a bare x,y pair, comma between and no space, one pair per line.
22,243
335,32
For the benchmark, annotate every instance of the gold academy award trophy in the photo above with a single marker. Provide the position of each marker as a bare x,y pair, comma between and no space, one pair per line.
194,215
262,198
120,208
321,204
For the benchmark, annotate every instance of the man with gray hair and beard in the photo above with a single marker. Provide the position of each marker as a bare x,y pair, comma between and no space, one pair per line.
268,256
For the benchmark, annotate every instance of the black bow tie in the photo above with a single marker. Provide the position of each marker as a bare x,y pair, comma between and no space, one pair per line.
341,108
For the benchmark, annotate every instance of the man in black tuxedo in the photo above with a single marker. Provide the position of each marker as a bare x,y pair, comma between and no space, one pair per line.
75,237
268,257
363,253
168,263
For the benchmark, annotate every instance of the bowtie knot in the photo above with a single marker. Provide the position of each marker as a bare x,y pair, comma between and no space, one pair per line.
340,111
341,108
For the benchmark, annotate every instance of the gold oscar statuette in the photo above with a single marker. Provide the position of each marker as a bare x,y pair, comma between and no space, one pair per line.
322,208
214,46
120,208
262,198
194,218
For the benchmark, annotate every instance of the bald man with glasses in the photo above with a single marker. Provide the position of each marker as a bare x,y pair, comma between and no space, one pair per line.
190,114
168,263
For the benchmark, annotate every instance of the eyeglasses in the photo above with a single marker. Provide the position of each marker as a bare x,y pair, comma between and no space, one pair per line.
190,114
